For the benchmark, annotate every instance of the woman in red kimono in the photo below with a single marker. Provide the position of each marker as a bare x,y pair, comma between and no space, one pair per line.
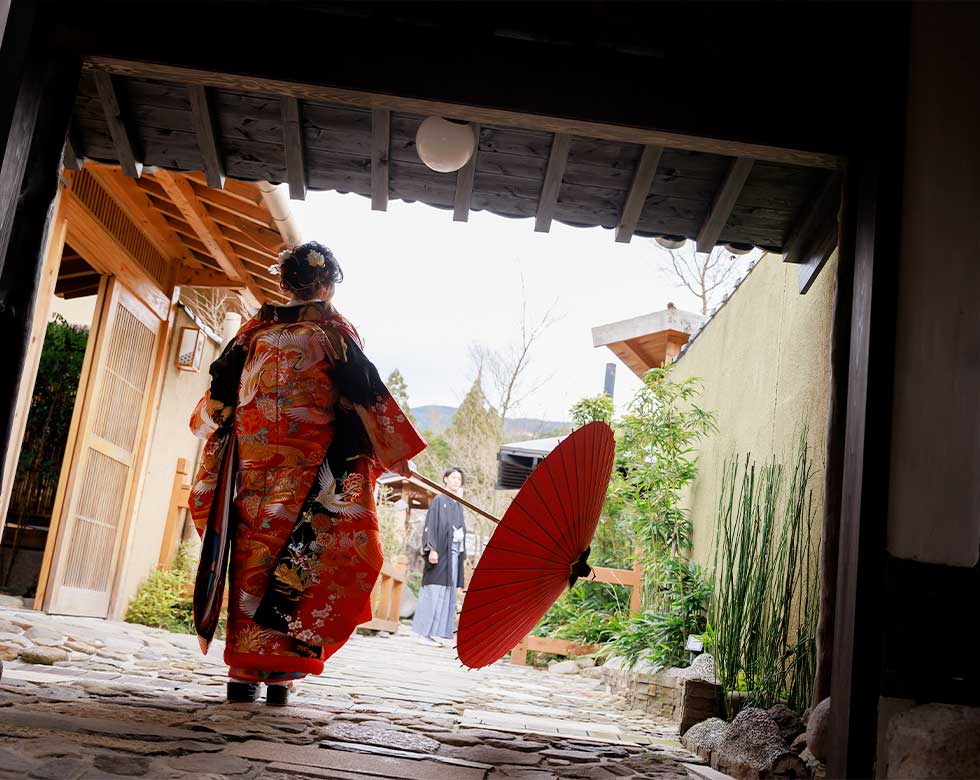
314,426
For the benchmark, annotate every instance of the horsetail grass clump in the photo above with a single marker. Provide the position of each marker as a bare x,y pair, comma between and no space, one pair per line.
763,612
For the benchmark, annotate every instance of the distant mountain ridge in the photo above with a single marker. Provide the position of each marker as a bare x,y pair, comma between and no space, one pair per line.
437,418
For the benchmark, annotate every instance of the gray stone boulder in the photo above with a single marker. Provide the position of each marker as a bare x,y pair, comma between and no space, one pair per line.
703,738
563,667
408,604
790,724
934,742
818,731
753,749
703,668
43,655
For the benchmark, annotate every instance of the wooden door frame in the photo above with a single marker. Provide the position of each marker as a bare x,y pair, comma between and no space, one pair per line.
66,478
154,392
114,291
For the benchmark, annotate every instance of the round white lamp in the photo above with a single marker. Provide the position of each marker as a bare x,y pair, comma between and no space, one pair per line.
671,242
443,145
738,249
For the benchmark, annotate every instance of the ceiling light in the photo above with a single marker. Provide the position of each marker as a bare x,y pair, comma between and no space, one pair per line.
671,242
445,145
739,249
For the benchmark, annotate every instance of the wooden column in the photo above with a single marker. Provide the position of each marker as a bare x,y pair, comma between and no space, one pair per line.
55,245
874,202
16,22
834,456
28,184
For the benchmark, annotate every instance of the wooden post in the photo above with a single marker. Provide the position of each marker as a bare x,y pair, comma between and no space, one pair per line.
16,25
39,326
397,588
28,184
875,205
636,592
178,501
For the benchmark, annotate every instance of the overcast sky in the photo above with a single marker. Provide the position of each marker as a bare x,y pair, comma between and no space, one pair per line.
421,289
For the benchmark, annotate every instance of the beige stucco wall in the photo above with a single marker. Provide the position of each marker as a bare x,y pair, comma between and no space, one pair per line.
171,439
763,361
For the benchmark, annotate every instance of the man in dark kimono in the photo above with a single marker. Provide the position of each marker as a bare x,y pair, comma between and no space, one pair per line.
443,552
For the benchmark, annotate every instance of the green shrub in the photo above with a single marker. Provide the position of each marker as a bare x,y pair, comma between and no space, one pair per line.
165,598
588,613
660,635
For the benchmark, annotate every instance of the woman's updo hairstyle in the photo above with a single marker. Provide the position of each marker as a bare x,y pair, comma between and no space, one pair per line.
308,267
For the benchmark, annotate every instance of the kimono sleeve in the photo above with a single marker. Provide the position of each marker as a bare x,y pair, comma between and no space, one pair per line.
392,435
213,420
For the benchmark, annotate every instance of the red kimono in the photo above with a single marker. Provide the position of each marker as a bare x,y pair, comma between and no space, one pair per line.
314,426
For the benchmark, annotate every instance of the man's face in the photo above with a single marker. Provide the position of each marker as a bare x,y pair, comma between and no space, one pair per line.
454,481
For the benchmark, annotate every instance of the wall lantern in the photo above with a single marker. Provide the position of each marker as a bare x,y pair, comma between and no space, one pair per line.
190,349
738,249
445,145
671,242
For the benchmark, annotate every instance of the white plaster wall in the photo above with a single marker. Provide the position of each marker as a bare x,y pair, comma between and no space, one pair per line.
763,361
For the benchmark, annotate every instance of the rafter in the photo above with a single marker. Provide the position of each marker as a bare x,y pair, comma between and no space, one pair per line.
646,169
820,209
202,277
380,148
464,183
236,206
183,196
292,139
144,212
117,128
721,208
206,130
548,200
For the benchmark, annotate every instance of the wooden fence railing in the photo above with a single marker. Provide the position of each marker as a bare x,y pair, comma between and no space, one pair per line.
386,598
631,578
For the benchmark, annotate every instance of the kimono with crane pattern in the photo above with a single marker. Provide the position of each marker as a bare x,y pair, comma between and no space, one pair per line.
314,426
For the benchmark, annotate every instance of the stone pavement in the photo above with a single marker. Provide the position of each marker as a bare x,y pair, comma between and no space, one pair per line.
85,699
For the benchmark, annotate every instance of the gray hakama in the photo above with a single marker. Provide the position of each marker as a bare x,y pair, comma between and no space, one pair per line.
435,614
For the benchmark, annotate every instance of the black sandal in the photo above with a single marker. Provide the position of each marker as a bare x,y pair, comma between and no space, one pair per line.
242,691
277,695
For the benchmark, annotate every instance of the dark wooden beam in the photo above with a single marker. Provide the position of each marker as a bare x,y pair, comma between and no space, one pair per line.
820,209
646,169
206,130
548,199
464,183
18,23
117,128
380,152
70,159
292,139
818,253
29,178
721,208
463,111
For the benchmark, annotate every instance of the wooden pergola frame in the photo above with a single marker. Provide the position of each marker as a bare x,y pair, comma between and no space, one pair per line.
845,109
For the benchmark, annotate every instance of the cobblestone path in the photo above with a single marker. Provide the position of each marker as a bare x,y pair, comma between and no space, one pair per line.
96,700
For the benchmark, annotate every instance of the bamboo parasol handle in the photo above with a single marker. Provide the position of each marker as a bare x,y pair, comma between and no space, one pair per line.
447,492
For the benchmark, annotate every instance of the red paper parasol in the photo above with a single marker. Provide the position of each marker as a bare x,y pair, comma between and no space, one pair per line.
540,547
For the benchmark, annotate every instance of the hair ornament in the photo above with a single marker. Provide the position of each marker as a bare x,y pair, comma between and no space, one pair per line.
316,259
275,269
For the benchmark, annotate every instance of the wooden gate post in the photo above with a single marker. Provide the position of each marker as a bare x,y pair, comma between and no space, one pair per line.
28,185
